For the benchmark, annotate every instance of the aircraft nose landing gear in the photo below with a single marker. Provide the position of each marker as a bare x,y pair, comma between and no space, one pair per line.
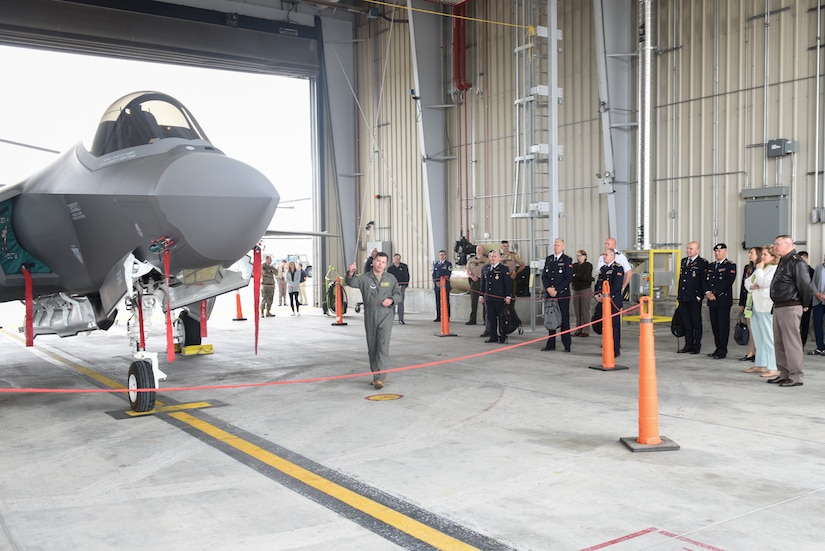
144,374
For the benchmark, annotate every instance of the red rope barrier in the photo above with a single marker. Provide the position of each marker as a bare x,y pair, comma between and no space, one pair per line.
296,381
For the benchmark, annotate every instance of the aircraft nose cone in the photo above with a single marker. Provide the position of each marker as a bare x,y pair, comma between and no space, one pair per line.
220,207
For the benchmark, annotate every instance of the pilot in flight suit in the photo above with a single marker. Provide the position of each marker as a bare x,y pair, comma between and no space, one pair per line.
379,291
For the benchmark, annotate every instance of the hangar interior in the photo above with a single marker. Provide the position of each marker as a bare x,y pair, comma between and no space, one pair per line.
657,122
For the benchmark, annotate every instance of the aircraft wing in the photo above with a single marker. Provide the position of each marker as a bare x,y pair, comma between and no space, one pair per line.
282,233
7,192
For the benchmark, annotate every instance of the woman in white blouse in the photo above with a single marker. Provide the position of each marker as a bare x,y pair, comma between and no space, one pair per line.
759,284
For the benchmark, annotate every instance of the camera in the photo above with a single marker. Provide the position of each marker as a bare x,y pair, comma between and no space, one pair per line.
464,249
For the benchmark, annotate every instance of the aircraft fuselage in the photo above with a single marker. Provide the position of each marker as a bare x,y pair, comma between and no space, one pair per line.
84,214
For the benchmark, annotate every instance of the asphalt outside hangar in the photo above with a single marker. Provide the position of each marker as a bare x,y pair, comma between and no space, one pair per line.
468,446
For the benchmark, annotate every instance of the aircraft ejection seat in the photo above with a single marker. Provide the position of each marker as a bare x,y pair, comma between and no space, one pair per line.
136,128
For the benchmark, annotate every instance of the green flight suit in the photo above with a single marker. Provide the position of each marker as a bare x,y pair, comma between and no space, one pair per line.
377,317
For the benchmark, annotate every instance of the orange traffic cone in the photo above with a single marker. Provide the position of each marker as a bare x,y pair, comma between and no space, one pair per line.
339,303
608,356
649,439
444,314
238,310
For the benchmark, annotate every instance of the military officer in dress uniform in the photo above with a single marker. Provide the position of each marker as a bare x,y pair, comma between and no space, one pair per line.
441,268
474,267
613,273
556,279
691,292
719,279
496,291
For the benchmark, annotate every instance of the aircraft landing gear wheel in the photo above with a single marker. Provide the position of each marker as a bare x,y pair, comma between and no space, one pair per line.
140,376
331,299
191,329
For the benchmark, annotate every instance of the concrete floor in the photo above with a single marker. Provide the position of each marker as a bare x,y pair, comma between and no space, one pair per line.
514,449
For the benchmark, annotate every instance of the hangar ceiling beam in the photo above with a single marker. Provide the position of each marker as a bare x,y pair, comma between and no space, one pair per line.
425,37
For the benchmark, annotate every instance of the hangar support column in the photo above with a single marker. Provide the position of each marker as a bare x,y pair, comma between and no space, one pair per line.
425,38
614,59
339,74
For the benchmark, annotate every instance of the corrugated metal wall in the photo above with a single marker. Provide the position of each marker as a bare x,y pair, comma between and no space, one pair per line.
710,117
389,155
713,117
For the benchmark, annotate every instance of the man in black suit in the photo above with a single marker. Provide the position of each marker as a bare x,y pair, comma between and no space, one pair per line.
556,279
719,279
496,291
691,293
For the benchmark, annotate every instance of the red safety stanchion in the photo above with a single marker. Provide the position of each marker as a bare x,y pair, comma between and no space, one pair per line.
29,307
141,326
648,439
238,309
608,356
170,345
339,303
204,315
444,313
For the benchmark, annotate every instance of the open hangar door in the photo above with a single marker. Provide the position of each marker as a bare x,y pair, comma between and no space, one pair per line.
272,41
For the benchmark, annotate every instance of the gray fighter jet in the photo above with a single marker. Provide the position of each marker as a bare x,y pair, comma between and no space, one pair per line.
95,226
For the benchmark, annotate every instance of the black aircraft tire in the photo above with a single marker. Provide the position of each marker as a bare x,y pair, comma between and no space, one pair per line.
140,376
331,299
191,330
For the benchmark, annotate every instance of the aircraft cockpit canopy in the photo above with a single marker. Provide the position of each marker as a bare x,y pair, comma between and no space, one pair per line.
143,118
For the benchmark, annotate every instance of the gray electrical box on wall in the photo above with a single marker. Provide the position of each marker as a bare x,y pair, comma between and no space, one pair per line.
766,214
382,246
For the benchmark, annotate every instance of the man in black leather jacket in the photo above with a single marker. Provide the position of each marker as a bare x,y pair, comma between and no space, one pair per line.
790,293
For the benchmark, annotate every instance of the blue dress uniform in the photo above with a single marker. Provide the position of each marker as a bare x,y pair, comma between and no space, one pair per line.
614,275
441,268
496,285
558,273
691,292
719,280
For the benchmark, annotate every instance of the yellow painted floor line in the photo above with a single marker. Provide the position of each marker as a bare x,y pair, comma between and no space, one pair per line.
355,500
169,409
364,504
94,375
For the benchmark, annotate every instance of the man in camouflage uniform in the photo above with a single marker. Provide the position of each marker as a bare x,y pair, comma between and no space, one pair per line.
474,267
280,276
267,287
513,262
